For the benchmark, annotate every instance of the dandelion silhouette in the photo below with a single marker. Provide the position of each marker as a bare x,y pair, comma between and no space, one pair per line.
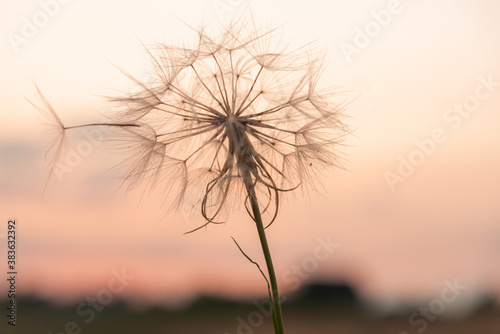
235,118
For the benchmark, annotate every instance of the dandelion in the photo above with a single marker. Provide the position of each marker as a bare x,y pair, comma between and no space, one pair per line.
236,117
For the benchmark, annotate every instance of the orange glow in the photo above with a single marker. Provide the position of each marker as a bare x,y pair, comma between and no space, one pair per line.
440,222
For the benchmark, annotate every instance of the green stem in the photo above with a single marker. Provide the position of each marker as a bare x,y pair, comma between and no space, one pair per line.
265,248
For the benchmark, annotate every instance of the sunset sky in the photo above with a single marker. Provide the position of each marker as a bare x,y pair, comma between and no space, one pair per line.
416,204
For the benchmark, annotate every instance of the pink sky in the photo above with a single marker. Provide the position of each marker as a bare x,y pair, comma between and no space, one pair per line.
441,223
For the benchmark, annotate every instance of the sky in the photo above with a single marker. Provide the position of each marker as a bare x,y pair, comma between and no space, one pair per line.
414,206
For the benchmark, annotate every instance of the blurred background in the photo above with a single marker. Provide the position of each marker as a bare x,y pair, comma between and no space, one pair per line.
404,239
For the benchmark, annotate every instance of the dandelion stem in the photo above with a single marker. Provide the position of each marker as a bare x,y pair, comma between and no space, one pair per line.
265,248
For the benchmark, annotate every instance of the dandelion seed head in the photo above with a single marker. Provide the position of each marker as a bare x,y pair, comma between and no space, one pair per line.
235,103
